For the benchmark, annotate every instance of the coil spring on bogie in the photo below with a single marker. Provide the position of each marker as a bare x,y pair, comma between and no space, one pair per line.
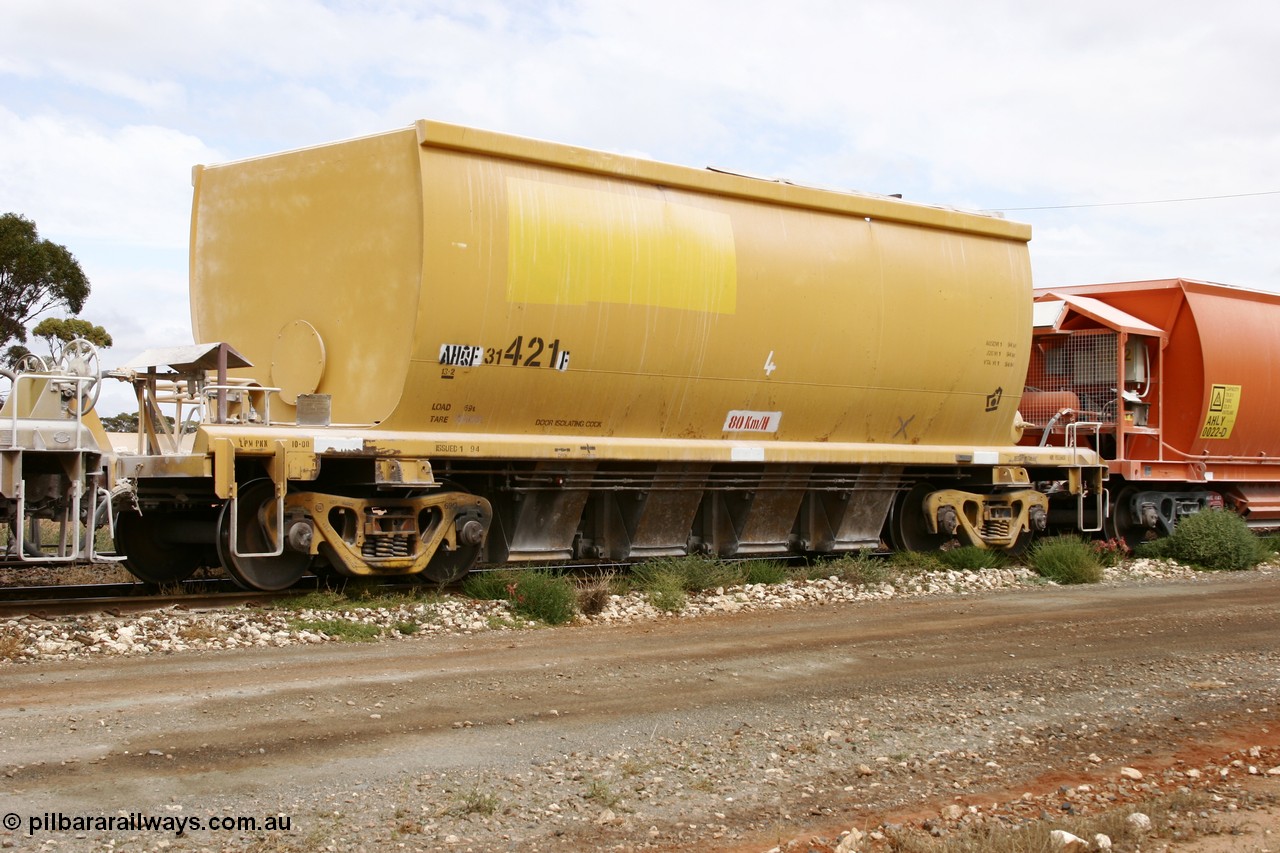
383,547
996,528
389,532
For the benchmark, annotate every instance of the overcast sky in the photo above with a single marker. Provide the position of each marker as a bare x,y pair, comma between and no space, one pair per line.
105,106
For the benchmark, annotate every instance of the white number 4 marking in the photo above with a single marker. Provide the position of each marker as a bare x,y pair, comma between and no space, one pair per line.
769,366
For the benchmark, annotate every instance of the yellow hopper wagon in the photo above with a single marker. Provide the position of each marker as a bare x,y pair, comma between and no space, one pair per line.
439,346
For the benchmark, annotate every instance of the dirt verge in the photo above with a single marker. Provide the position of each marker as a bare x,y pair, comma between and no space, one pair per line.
739,731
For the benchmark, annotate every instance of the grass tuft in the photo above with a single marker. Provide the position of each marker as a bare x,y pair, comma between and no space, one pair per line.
11,645
1065,560
601,794
488,585
318,600
912,563
342,629
201,631
474,802
351,596
763,571
665,591
694,573
1271,544
971,559
863,569
594,594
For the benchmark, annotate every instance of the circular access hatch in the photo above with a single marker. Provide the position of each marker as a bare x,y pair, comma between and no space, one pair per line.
297,362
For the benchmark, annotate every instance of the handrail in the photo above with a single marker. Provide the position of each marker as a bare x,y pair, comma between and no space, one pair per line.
250,387
1236,459
1073,434
233,524
1101,496
15,405
82,545
1102,509
76,539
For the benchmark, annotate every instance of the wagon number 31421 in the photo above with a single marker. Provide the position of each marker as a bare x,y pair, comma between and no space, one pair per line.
529,352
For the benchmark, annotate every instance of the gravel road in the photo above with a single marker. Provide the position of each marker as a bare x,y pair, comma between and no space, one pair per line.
731,731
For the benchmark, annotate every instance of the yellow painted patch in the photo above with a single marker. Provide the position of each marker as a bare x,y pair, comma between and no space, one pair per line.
572,245
1224,403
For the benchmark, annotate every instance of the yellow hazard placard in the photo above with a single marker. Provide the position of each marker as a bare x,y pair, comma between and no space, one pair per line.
1224,403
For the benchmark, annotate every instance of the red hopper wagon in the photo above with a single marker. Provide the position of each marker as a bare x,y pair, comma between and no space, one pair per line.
1176,383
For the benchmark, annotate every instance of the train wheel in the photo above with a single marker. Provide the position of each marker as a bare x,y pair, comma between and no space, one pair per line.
1021,545
147,556
257,512
908,530
447,566
1123,524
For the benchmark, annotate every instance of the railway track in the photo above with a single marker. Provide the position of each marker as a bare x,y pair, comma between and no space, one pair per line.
49,600
72,599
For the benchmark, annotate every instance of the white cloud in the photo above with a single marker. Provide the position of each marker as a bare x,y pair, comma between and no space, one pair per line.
130,184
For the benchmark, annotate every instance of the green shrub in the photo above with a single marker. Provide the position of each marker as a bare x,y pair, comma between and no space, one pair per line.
763,571
665,591
1156,549
539,594
1065,560
543,595
1215,539
971,559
